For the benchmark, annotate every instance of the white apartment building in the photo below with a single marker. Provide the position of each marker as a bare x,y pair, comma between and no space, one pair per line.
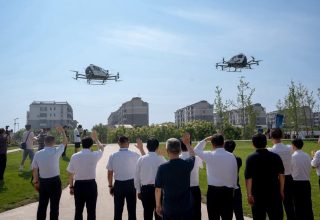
48,114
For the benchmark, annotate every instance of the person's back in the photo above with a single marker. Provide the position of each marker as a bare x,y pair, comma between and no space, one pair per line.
265,174
173,180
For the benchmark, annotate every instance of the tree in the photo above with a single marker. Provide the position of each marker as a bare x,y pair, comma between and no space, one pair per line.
244,104
292,107
220,109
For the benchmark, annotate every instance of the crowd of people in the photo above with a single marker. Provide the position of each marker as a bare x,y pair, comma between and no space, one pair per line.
276,178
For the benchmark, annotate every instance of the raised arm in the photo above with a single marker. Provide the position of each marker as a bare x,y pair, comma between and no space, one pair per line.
200,146
60,130
94,137
139,145
186,141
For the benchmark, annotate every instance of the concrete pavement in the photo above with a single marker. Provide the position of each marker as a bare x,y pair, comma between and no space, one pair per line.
104,203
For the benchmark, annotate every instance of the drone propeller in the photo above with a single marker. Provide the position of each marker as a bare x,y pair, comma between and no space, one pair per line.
74,71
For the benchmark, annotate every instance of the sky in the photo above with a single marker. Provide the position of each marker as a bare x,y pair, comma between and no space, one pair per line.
165,52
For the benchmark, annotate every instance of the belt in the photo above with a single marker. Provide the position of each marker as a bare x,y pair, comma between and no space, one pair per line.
148,185
86,181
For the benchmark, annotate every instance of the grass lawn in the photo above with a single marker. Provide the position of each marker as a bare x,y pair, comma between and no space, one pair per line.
17,189
243,149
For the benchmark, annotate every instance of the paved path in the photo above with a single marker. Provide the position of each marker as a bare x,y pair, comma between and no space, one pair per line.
104,204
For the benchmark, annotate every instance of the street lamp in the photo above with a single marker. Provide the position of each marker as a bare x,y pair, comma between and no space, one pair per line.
14,124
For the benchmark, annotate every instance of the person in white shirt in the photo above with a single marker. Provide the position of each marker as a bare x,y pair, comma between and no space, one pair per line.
230,145
194,176
301,166
146,170
285,153
46,176
122,166
77,138
315,162
28,137
222,173
82,175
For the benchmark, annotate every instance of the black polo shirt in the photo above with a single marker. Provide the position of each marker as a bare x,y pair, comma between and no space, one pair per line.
264,167
173,177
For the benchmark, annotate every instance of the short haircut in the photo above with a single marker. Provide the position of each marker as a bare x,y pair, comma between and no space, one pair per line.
229,145
276,133
123,139
79,126
2,131
173,146
217,140
28,127
259,141
87,142
152,144
48,140
297,142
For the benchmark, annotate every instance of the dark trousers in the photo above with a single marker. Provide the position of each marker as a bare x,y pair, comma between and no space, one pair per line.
124,190
149,202
196,196
288,198
65,149
271,206
302,200
184,216
237,204
3,164
219,200
85,193
49,189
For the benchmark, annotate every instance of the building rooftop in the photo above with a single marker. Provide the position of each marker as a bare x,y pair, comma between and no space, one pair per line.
48,103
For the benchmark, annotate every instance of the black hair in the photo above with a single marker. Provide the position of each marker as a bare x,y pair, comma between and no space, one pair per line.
28,127
152,144
276,133
49,139
87,142
123,139
259,141
217,140
298,143
183,146
2,131
229,145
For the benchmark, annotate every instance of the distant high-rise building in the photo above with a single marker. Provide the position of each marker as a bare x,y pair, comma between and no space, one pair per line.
134,112
48,114
198,111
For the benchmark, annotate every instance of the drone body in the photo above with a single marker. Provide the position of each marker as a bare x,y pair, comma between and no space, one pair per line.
96,75
237,63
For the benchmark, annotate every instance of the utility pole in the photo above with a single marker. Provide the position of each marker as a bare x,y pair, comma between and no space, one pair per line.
14,124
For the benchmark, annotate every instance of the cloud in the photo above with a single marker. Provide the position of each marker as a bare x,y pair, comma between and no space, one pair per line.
147,38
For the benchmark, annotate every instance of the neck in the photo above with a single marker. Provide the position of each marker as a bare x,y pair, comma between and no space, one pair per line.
173,156
276,141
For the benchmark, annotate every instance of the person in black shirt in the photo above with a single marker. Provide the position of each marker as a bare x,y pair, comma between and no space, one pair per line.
230,145
173,180
264,175
3,152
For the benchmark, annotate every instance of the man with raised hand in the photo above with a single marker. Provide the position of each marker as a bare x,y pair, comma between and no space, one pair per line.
82,175
173,180
46,176
146,170
222,173
194,177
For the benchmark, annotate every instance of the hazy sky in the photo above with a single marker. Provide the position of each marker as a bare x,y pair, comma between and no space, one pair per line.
164,50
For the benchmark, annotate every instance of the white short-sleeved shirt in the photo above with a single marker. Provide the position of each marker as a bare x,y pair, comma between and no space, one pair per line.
83,164
146,169
123,164
194,177
76,133
29,141
47,161
285,152
301,166
315,162
222,168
